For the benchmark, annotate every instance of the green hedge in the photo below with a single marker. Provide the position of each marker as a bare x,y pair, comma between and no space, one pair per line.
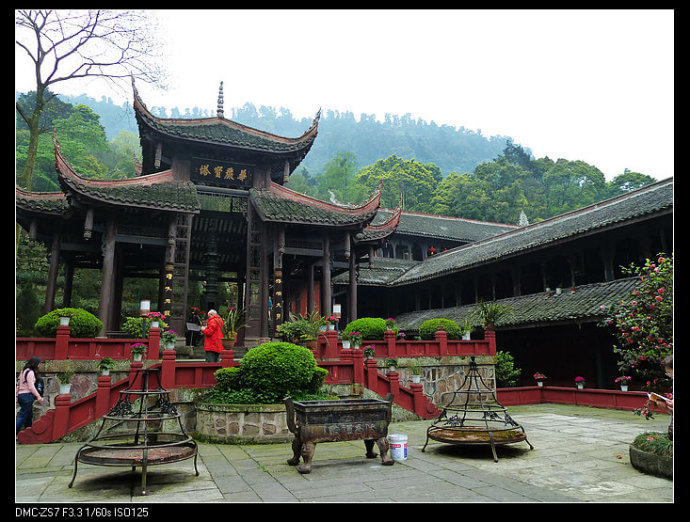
371,328
428,328
82,324
269,373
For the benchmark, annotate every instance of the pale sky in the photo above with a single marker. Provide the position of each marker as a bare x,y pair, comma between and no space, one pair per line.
590,85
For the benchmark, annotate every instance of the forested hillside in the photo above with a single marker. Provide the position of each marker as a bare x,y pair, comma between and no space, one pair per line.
451,149
436,169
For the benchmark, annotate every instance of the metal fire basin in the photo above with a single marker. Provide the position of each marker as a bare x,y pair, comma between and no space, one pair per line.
124,450
338,420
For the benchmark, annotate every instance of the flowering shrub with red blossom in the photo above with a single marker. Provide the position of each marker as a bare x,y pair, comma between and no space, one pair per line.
643,322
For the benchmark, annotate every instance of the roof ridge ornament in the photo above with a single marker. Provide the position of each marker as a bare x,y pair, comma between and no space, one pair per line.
219,111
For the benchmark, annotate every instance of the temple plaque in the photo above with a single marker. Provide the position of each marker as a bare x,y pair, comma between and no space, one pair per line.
221,174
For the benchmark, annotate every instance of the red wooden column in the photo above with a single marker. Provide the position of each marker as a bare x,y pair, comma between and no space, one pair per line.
61,419
227,358
154,343
419,401
168,369
331,351
371,374
62,342
358,362
394,379
442,339
389,337
103,396
490,336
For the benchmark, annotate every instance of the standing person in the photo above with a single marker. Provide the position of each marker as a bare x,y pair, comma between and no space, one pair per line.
27,393
213,335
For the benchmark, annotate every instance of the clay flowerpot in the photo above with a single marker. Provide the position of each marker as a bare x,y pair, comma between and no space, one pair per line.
228,344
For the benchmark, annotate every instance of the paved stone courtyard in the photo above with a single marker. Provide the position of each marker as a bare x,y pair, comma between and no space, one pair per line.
580,455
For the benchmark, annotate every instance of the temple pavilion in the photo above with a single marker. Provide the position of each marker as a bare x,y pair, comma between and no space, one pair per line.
208,201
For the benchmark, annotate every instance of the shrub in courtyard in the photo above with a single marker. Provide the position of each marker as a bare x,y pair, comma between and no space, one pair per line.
82,323
643,321
371,328
654,442
506,372
428,328
269,373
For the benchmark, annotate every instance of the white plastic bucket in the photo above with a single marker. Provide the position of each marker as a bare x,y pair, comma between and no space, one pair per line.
398,444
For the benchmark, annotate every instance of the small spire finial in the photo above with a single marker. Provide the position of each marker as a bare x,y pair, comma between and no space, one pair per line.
220,101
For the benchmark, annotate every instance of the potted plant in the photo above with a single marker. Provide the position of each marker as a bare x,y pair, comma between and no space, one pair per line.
155,318
466,330
345,340
539,377
169,337
309,341
355,339
64,379
416,371
391,363
580,382
390,323
489,313
623,382
105,365
138,350
369,352
332,320
234,321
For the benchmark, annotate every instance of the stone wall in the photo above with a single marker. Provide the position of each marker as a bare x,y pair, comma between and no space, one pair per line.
444,375
234,423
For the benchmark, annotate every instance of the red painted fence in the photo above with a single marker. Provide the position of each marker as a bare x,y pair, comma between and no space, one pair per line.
613,399
65,347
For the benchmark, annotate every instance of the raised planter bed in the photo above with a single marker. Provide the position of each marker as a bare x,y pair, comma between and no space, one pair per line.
237,423
651,463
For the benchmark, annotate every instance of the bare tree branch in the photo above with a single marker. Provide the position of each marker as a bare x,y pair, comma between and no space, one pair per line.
68,45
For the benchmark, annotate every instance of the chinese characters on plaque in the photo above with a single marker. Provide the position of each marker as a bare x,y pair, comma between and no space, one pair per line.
221,174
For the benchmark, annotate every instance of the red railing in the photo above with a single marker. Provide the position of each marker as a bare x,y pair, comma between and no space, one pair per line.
328,346
69,416
612,399
345,366
65,347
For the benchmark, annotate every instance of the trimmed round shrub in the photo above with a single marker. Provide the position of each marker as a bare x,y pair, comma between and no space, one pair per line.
429,328
269,373
228,379
371,328
82,324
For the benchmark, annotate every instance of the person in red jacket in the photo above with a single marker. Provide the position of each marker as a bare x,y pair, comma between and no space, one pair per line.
213,333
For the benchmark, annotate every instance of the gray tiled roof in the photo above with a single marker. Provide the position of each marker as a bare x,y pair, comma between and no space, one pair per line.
42,202
281,204
647,200
458,229
583,304
383,271
218,130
